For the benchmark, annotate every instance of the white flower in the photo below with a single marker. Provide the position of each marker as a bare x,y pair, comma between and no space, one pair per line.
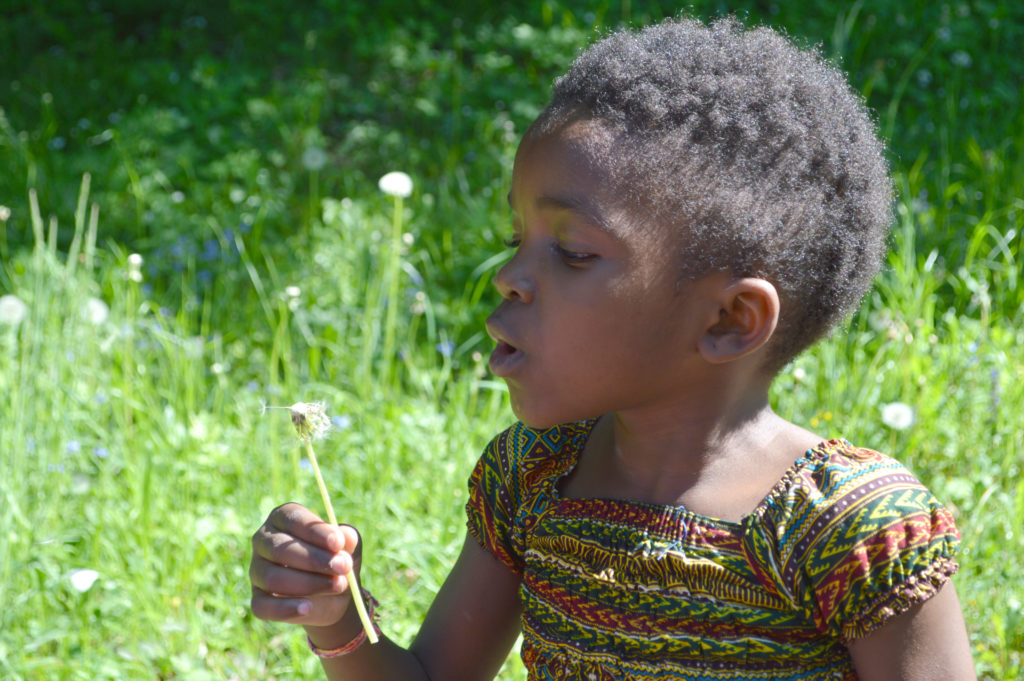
5,213
82,580
12,309
897,415
96,311
292,291
396,183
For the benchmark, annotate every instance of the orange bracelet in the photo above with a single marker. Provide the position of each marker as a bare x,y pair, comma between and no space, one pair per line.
371,606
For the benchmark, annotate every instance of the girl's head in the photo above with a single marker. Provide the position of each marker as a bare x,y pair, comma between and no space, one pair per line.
756,156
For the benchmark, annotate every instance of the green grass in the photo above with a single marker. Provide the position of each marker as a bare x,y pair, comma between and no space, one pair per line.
136,446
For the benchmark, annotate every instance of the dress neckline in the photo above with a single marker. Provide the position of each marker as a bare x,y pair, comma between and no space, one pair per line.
581,432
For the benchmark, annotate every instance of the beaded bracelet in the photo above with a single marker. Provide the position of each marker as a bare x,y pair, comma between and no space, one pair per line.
371,606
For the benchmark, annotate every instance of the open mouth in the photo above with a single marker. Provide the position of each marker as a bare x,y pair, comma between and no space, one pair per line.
504,358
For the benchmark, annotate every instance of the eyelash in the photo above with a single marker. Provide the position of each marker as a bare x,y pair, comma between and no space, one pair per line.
571,258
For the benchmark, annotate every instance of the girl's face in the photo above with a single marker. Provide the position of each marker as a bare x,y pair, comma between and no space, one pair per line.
593,318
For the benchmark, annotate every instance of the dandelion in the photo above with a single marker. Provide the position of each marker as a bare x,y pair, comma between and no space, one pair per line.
396,183
961,59
83,579
312,423
135,267
897,415
12,310
96,311
314,159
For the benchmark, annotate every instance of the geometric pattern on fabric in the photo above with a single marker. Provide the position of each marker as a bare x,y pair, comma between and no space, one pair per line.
615,589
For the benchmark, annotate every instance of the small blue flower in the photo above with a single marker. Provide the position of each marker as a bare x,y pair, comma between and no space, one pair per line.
446,348
100,451
341,422
305,465
211,249
74,446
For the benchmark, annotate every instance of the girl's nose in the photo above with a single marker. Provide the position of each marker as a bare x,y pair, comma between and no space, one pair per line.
513,282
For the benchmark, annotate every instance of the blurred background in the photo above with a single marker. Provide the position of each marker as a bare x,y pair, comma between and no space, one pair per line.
191,227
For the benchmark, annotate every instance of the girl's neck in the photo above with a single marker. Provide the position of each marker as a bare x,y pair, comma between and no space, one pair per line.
716,461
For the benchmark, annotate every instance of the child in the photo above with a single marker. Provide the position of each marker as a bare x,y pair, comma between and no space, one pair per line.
695,206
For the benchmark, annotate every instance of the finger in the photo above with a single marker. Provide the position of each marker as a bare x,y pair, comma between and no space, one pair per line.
284,549
299,521
286,581
317,611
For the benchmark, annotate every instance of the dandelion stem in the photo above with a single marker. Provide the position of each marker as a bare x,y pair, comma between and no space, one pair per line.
353,582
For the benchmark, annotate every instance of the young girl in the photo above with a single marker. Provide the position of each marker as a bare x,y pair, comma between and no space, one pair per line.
695,206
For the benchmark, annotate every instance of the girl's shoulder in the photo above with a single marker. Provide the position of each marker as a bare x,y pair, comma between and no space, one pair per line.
854,531
839,484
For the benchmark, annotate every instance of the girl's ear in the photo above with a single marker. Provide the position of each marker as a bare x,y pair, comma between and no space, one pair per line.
747,316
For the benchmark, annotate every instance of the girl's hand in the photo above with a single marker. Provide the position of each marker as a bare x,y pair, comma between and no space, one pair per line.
298,567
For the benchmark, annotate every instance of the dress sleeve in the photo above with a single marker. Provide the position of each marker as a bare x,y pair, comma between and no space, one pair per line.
494,490
878,543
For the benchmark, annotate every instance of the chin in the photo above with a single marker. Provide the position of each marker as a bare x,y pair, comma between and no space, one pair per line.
542,417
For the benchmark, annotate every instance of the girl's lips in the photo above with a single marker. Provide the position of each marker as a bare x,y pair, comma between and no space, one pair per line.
504,359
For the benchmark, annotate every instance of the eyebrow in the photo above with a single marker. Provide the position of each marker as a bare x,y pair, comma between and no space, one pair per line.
586,209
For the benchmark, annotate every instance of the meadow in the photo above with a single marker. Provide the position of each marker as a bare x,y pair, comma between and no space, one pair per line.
191,228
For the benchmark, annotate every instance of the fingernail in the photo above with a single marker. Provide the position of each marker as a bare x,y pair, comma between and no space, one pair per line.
304,607
338,564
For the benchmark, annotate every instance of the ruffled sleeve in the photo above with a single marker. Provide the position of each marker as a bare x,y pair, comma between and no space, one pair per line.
871,542
494,498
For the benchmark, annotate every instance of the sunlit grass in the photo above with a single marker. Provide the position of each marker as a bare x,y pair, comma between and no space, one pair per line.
130,394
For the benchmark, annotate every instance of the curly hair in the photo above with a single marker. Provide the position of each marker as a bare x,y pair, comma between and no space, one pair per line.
757,151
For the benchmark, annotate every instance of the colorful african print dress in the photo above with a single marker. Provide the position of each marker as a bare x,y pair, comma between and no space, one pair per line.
628,590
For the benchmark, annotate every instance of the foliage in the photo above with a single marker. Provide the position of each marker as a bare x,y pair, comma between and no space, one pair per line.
237,146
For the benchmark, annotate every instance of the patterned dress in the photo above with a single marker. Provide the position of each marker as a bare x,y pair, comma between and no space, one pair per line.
629,590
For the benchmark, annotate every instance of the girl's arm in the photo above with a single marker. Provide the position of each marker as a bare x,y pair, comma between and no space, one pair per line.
467,632
926,643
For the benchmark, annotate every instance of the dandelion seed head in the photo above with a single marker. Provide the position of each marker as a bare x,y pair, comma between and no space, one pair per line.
96,311
897,415
310,420
12,309
314,159
396,183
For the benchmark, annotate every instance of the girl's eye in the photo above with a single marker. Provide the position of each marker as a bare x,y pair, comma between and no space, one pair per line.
573,257
513,242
